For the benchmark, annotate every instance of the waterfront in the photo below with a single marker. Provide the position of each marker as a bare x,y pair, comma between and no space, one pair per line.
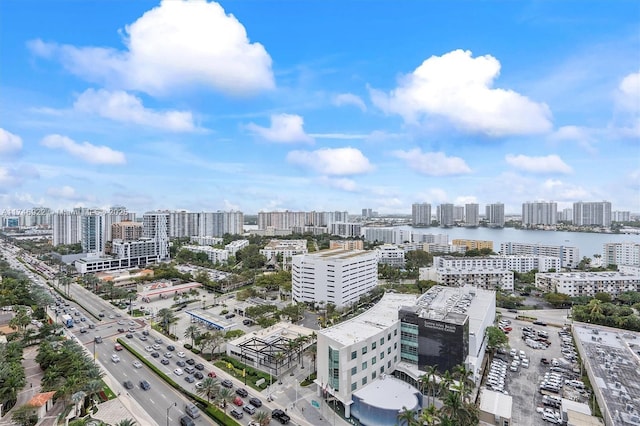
588,243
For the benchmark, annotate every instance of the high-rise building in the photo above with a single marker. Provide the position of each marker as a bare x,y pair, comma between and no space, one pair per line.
126,231
569,256
66,227
539,213
621,216
621,254
471,215
367,213
495,215
566,215
445,214
333,276
593,213
421,214
458,213
156,227
93,233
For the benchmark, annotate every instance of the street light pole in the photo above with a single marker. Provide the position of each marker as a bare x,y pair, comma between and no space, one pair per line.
175,404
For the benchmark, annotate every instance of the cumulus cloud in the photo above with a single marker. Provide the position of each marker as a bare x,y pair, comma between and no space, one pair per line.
11,177
344,184
459,88
85,151
628,100
349,99
547,164
67,193
175,45
285,128
583,136
433,163
332,161
121,106
9,143
554,189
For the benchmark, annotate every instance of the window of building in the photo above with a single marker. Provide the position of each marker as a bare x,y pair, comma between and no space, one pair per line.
354,354
354,386
388,337
364,350
388,351
373,375
364,381
382,369
382,341
395,345
354,370
373,345
373,360
395,332
381,355
395,358
364,365
389,364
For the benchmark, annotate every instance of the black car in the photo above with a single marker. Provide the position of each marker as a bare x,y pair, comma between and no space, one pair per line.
237,414
128,384
146,333
164,361
199,367
255,402
242,392
143,337
158,341
247,322
187,421
189,379
145,385
181,363
282,417
171,348
198,375
227,383
101,315
540,323
155,354
129,336
190,361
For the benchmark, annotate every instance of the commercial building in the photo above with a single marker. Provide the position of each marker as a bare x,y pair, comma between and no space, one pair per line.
627,254
473,244
587,283
346,244
593,213
471,215
421,214
333,276
391,255
539,213
126,230
569,256
94,262
494,215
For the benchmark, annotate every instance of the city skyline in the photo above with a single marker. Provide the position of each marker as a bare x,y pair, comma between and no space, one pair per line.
204,106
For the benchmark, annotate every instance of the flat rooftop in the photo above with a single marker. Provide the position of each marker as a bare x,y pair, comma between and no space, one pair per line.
496,403
388,393
281,329
381,316
339,254
449,303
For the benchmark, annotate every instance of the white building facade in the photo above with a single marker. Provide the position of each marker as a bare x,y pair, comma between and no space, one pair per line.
333,276
621,254
569,256
588,283
215,255
391,255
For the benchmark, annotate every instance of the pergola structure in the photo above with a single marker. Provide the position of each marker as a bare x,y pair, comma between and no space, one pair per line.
272,353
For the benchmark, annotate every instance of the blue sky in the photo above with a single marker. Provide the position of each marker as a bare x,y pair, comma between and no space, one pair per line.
273,105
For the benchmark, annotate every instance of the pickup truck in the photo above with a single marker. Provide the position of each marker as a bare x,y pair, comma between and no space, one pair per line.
281,416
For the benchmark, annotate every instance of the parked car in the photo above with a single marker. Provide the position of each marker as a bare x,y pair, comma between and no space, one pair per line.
249,409
255,402
212,374
198,375
189,379
171,348
238,401
242,392
190,361
227,383
199,367
237,414
186,421
164,361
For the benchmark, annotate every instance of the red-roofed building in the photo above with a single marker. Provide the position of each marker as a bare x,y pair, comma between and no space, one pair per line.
41,403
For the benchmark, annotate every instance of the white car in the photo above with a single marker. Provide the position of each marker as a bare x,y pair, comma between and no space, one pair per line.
178,372
137,364
115,358
156,346
181,354
148,349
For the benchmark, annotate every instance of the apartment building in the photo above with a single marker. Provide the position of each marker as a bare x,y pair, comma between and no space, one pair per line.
569,256
486,277
421,214
520,264
286,248
234,246
473,244
471,215
391,255
127,230
387,235
346,244
445,214
155,225
494,215
588,283
592,213
206,240
539,213
346,230
215,255
333,276
627,253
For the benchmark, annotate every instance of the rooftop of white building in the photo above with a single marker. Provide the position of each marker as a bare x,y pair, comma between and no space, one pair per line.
340,254
388,393
496,403
586,275
275,244
439,303
381,316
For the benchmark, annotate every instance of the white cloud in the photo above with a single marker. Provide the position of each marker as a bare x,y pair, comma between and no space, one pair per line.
328,161
465,199
344,184
175,45
459,88
121,106
554,189
583,136
67,193
349,99
85,151
285,128
229,206
628,96
11,177
433,163
9,143
547,164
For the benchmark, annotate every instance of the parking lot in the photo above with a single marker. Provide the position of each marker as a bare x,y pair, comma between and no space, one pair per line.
524,384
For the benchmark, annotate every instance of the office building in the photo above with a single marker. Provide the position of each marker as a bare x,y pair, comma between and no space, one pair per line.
621,254
126,231
569,256
588,284
494,214
592,214
471,215
421,214
445,213
539,213
333,276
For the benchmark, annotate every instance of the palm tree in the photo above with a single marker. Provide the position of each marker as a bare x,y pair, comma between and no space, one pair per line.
209,387
429,379
407,417
446,379
126,422
452,404
166,317
430,415
262,418
192,332
465,381
226,395
77,398
92,388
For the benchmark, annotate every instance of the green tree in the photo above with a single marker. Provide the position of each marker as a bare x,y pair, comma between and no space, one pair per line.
24,416
126,422
209,387
166,317
192,332
407,417
262,418
495,338
603,297
226,396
